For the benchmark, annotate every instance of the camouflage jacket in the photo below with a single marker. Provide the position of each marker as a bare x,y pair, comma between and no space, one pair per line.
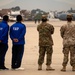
68,34
45,31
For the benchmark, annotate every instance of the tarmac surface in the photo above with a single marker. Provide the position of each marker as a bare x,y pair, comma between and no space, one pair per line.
31,53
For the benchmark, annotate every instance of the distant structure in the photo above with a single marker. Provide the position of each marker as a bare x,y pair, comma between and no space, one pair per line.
71,10
51,15
35,14
12,15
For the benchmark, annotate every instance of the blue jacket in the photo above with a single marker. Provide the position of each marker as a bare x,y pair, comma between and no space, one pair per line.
4,28
18,31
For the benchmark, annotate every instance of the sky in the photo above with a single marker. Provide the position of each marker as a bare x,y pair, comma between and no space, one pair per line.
46,5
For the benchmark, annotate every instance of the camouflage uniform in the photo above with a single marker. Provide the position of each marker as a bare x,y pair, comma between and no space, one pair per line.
68,35
45,42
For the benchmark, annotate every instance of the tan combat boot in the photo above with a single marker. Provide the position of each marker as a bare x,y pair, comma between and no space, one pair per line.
63,69
49,68
39,67
73,68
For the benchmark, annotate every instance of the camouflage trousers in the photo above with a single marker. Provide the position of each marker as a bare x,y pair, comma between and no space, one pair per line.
66,51
45,50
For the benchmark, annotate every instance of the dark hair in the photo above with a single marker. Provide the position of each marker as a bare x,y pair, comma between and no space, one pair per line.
5,18
69,19
44,19
19,18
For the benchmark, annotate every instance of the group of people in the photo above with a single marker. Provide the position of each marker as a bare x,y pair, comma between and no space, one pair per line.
37,20
17,32
67,33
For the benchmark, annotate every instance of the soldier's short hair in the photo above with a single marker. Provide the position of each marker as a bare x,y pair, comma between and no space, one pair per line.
69,15
44,16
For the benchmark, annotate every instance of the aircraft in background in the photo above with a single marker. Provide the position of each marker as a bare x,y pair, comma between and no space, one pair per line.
63,16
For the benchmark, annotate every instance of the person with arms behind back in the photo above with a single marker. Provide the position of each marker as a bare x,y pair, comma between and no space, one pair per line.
45,43
17,34
67,32
4,28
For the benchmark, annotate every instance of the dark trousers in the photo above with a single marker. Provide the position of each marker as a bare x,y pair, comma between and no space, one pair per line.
17,54
3,50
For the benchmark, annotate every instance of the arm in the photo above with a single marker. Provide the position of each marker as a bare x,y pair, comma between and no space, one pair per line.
23,33
52,29
11,34
38,28
62,31
5,33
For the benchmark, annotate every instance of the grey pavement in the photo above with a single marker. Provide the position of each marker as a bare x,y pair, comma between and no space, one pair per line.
31,53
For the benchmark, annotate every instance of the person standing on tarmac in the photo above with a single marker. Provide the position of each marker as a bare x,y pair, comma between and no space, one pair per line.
4,28
17,35
45,43
67,32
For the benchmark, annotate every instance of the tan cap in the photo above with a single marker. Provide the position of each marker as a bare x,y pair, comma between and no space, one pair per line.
69,15
44,16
